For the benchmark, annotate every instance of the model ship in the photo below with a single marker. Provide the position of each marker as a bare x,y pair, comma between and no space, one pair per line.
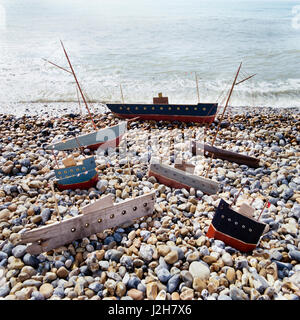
212,151
162,110
220,153
75,175
103,138
181,177
96,217
237,229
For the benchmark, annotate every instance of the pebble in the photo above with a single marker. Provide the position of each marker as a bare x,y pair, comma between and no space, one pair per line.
46,290
199,270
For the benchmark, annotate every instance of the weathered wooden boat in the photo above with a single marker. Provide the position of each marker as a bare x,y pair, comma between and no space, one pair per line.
103,138
96,217
209,151
162,110
177,178
237,229
76,176
213,152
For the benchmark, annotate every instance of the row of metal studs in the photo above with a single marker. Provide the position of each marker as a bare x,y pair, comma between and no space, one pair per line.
236,223
111,216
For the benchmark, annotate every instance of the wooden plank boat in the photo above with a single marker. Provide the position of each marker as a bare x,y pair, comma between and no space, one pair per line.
177,178
209,151
162,110
81,176
237,229
98,216
103,138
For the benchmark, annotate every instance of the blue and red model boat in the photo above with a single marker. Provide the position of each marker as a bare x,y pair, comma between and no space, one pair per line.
162,110
82,176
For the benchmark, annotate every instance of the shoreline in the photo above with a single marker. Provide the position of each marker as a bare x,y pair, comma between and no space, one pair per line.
166,255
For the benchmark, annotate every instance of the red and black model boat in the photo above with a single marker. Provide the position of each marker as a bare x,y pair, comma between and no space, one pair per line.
237,229
162,110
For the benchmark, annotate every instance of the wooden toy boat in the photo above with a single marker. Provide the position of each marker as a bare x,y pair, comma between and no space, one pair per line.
103,138
73,176
178,178
209,151
96,217
237,229
162,110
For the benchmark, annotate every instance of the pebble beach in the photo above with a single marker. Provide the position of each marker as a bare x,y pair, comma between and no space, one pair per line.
166,255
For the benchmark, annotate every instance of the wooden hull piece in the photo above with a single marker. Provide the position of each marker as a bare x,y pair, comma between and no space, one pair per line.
83,181
103,138
235,229
102,215
208,151
178,179
200,113
83,176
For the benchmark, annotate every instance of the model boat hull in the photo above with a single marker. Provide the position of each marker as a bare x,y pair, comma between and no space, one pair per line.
178,179
103,138
82,176
201,112
235,229
97,217
209,151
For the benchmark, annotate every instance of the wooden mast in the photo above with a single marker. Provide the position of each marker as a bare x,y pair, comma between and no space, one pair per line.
82,95
197,87
121,93
233,84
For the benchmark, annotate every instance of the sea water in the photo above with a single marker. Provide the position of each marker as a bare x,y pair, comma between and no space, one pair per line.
147,47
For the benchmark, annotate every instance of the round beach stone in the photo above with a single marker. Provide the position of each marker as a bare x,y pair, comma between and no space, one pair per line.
135,294
46,290
199,270
171,257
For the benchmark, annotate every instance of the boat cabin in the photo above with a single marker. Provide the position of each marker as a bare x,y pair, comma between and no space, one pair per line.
160,99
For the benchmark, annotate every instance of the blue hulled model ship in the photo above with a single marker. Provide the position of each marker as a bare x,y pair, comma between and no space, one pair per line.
162,110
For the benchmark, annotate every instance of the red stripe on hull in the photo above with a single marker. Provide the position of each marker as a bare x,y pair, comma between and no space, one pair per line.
169,182
159,117
82,185
111,143
233,242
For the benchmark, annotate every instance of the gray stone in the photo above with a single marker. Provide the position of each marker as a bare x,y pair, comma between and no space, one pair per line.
173,283
146,252
19,251
3,255
96,286
4,290
295,255
163,275
45,214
